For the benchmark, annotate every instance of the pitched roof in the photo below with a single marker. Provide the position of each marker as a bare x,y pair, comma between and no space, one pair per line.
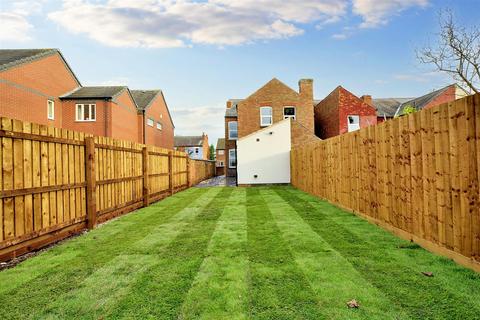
388,106
232,111
188,141
13,57
144,98
420,102
94,92
221,144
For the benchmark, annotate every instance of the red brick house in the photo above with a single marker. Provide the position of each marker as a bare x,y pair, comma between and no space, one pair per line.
155,122
34,79
444,95
196,147
220,157
270,104
342,111
38,85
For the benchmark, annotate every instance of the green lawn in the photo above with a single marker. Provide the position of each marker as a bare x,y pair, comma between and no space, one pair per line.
238,253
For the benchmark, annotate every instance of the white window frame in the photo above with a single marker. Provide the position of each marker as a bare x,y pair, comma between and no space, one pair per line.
220,164
221,152
79,116
264,123
349,126
230,130
159,126
294,117
230,152
150,122
51,116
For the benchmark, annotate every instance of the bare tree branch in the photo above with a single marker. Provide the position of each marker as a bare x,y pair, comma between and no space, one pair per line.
457,52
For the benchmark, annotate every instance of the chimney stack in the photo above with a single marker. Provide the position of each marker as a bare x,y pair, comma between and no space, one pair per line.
367,99
229,104
305,88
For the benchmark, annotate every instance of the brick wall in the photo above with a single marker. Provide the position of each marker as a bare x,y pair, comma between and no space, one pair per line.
448,95
124,118
158,111
100,127
205,147
301,135
25,89
331,113
277,95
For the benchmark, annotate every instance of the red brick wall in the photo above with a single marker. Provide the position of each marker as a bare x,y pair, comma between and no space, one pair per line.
100,127
159,112
25,89
448,95
277,95
205,147
124,121
331,113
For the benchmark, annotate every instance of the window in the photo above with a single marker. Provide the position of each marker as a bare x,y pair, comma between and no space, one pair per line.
220,164
289,112
86,112
353,122
51,109
232,158
233,130
159,126
220,152
265,116
150,122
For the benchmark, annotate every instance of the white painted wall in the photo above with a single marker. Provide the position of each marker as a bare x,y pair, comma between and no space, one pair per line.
193,155
268,158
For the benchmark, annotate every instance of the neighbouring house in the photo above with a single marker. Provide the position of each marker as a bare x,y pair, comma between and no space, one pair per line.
31,82
38,85
342,111
220,157
387,107
195,146
444,95
155,122
103,111
271,104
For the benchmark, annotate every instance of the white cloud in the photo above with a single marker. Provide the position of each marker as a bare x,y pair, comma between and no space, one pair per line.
14,16
15,27
377,12
167,23
194,121
421,77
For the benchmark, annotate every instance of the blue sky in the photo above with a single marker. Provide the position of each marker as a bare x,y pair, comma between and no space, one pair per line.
200,53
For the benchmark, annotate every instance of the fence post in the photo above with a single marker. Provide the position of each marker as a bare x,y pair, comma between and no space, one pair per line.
91,183
188,171
146,185
170,172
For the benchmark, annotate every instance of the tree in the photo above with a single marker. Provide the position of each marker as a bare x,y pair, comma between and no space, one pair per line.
212,152
409,109
457,52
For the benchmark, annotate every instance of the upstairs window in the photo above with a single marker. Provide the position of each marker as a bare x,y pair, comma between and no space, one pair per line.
150,122
50,109
159,126
289,112
353,122
220,152
265,116
233,130
86,112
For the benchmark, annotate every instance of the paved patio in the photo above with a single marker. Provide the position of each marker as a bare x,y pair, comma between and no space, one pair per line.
220,181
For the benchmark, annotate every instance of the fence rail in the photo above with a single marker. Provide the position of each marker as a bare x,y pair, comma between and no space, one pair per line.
416,175
55,182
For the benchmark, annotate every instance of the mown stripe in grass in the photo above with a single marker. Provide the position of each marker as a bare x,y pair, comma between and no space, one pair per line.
422,297
38,278
98,294
220,289
332,277
278,289
160,291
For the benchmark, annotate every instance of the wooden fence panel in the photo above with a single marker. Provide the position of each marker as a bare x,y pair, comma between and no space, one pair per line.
45,195
416,175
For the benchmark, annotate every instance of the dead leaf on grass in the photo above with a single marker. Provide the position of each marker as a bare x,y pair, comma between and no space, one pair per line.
353,304
427,274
